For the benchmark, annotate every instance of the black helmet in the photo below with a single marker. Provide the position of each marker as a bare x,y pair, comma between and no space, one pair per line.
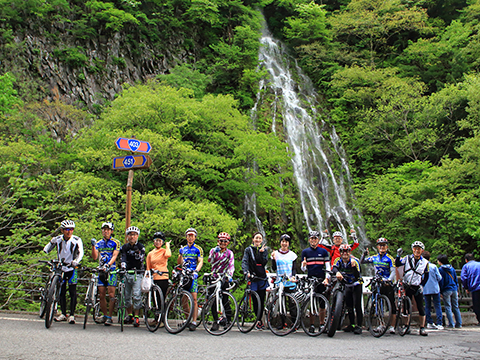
159,235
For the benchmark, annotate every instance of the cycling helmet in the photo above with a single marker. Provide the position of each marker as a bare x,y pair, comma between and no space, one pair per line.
191,230
314,233
67,224
344,247
224,235
338,233
108,225
382,241
159,235
419,244
132,229
285,237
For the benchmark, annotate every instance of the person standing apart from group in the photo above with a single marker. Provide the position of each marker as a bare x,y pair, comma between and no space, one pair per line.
449,291
255,257
106,251
470,277
70,249
415,275
133,256
192,255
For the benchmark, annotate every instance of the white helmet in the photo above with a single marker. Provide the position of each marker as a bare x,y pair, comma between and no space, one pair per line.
338,233
67,224
132,229
107,225
419,244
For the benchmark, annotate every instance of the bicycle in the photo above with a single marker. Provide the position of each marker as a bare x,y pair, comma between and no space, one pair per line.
91,301
338,306
121,307
315,308
154,306
179,308
44,291
378,308
247,317
53,289
282,311
404,309
220,312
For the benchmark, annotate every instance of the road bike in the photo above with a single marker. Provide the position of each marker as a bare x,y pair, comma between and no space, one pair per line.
282,311
179,308
378,308
247,317
404,309
53,289
315,308
91,299
220,311
154,306
338,306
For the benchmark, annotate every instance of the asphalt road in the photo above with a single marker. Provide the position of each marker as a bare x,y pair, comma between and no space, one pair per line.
24,336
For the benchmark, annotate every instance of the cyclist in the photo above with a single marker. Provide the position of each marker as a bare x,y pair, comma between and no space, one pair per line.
384,264
337,241
284,264
222,261
157,259
106,251
315,261
133,255
350,267
255,257
192,255
70,249
415,275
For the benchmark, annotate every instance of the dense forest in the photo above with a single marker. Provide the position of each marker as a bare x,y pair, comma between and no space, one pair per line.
398,79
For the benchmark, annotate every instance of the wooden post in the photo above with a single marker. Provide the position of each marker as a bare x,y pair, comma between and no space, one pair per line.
128,210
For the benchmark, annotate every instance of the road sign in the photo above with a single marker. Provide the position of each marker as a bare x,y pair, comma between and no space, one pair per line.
131,162
133,145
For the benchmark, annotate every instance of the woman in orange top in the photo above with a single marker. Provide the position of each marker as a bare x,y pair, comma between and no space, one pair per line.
157,259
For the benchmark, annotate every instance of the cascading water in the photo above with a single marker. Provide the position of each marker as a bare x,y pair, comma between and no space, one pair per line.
319,162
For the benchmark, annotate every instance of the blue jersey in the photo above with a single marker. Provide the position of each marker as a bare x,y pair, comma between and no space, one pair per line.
191,255
317,261
106,249
384,265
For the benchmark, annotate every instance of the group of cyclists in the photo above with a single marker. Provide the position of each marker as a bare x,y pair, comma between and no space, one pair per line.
321,260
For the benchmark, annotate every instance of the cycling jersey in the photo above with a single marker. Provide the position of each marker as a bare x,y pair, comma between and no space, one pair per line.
284,264
133,256
105,249
318,260
415,271
191,255
349,269
334,251
222,262
384,265
157,259
70,250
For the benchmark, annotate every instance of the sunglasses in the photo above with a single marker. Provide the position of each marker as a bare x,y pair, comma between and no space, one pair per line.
223,241
68,229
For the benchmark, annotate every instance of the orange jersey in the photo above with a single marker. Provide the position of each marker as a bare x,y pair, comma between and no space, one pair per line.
157,259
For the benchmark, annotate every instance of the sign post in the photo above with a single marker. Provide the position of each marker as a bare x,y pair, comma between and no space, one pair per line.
131,162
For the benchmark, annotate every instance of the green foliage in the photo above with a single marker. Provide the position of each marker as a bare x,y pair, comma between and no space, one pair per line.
8,95
184,76
72,56
308,26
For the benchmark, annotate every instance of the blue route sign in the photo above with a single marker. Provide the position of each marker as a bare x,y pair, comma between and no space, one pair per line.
134,145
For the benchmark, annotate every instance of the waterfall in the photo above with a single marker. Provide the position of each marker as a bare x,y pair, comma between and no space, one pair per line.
319,162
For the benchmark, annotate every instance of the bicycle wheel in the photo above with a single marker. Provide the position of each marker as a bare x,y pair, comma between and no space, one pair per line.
89,303
96,313
43,299
247,317
121,307
404,316
283,314
336,315
315,315
179,312
218,319
379,314
51,304
153,308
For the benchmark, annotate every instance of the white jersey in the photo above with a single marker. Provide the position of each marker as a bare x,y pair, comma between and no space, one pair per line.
71,250
414,270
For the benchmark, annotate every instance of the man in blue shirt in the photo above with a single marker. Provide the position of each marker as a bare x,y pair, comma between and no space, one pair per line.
470,277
